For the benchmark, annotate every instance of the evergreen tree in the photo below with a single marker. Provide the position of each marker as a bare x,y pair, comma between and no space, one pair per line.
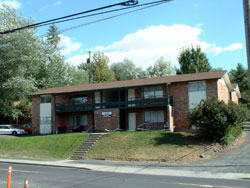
240,76
193,60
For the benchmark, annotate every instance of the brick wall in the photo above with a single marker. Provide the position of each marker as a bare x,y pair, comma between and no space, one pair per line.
179,91
211,88
35,114
235,97
110,123
223,92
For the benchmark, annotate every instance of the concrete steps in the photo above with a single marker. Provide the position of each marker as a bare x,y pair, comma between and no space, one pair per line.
246,125
85,147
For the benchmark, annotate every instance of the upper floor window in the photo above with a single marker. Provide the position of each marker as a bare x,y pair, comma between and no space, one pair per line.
79,100
196,86
45,99
153,92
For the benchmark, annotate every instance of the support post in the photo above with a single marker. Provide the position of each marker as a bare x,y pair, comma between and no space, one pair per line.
246,4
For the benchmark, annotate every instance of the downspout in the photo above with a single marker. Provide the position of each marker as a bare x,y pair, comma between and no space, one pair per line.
93,111
143,109
55,127
119,106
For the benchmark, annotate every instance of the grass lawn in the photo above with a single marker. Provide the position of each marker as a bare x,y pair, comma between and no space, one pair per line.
60,146
149,146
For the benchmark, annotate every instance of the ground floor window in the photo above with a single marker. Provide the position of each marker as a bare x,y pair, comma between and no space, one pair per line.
78,120
154,116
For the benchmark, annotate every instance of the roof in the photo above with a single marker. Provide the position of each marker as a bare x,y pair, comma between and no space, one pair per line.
133,83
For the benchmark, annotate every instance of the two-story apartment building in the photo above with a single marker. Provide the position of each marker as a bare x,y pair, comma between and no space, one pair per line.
150,103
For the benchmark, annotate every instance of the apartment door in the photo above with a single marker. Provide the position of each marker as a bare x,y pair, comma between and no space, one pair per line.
132,121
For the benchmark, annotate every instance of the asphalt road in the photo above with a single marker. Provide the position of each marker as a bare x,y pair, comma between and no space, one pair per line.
47,177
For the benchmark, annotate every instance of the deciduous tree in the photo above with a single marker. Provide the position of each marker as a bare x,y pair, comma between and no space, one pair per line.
126,70
161,68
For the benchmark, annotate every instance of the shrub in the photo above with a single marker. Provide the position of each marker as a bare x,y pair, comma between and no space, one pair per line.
218,121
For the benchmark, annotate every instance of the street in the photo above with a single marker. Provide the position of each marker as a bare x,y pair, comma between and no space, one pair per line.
44,176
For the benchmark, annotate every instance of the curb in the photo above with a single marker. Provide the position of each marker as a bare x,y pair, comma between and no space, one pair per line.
43,164
163,171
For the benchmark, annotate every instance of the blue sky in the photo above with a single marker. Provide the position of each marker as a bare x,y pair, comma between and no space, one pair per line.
144,36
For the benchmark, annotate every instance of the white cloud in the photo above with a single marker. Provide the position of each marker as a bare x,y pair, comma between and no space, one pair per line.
68,46
230,48
76,60
57,3
145,46
13,4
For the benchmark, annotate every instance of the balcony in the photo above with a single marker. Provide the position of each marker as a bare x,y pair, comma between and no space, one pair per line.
122,103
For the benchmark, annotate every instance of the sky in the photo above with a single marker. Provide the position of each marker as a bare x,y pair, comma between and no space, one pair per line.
145,36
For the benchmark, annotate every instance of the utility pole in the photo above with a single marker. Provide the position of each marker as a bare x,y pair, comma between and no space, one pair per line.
89,66
246,4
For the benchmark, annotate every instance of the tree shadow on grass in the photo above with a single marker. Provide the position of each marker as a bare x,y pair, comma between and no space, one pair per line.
180,139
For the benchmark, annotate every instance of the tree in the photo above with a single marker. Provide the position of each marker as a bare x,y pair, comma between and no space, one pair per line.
126,70
193,60
161,68
55,72
21,53
79,76
89,69
102,72
53,37
240,76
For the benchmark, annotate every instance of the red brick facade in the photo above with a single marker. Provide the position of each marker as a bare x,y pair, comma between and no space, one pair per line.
103,122
179,92
223,91
178,114
234,97
36,114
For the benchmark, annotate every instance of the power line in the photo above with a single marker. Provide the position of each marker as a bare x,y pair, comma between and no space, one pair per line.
125,3
105,12
108,18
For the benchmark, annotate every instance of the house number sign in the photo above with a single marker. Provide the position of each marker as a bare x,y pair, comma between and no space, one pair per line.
106,114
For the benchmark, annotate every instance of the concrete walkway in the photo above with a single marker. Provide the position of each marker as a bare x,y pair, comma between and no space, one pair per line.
233,165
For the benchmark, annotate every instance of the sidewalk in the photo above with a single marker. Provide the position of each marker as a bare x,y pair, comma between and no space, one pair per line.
132,168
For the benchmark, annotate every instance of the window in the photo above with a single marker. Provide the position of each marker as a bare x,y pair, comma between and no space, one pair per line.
153,92
45,120
79,100
197,86
78,120
154,116
45,99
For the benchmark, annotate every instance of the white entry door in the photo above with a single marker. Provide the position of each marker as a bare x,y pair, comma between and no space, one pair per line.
131,121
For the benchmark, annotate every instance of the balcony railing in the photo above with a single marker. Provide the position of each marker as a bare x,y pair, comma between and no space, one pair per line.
122,104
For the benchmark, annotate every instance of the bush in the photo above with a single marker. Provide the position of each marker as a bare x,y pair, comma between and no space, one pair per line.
218,121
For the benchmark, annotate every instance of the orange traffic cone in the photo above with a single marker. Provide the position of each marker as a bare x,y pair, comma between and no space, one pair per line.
9,177
26,183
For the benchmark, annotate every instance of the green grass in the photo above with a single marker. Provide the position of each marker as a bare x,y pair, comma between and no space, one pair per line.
149,146
60,146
